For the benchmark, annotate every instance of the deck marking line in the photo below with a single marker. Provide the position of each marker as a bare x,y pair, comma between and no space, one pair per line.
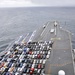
55,38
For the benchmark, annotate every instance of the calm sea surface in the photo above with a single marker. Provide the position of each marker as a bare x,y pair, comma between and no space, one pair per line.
15,22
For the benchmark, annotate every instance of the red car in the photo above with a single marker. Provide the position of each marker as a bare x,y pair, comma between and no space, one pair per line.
31,70
39,66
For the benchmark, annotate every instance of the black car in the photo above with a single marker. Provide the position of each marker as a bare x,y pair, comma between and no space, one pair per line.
24,70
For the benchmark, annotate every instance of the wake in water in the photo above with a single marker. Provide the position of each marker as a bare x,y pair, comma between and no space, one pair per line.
4,44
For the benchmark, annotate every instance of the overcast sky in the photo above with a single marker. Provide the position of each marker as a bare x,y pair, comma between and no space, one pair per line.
29,3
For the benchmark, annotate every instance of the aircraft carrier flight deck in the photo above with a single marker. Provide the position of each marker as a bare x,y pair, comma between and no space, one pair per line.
47,51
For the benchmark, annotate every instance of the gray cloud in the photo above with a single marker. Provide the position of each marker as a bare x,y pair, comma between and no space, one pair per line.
16,3
24,3
55,2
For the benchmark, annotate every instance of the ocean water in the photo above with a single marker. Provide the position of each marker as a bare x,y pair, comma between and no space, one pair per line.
15,22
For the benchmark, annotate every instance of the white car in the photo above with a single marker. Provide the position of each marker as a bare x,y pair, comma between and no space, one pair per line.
39,71
35,52
20,49
43,52
40,48
40,52
21,60
30,56
18,69
52,30
13,64
47,56
33,65
33,56
16,73
44,61
40,61
43,47
49,52
9,59
21,69
17,47
2,69
47,47
34,62
24,64
49,42
27,50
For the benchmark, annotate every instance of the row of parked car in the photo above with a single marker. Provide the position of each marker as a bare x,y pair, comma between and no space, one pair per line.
28,59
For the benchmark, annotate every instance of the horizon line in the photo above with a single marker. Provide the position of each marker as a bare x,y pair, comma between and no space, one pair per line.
34,6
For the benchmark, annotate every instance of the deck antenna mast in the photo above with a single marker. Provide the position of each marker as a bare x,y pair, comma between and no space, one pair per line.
55,25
